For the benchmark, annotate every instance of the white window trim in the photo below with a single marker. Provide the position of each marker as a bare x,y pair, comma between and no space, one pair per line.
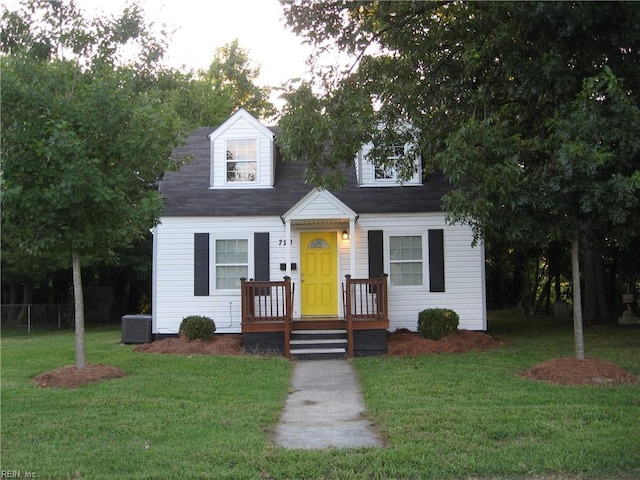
387,256
213,264
225,161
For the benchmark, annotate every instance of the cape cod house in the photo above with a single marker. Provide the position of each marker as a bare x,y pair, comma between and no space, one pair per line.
244,241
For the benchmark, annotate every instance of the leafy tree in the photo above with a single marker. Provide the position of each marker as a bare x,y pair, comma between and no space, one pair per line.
529,108
85,136
208,97
232,74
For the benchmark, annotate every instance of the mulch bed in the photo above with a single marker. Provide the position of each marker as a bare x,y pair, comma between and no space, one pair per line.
406,343
573,371
564,371
71,377
227,344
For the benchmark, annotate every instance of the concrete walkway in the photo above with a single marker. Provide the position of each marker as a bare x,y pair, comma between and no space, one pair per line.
324,409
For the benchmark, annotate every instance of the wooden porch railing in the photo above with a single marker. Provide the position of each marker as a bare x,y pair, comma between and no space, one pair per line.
263,303
268,302
365,299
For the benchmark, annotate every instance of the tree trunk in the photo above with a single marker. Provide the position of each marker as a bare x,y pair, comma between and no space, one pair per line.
577,300
81,361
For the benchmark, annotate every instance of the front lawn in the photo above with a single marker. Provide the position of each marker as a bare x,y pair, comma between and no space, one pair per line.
443,416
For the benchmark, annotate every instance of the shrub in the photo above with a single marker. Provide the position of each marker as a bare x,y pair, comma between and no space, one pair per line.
435,323
197,327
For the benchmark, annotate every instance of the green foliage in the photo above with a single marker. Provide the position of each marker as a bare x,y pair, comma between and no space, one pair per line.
85,137
197,327
324,133
435,323
528,113
209,97
491,88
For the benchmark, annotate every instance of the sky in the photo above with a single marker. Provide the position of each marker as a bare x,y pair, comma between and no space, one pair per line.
201,26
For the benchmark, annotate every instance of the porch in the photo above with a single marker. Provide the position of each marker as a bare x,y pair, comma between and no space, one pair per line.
268,325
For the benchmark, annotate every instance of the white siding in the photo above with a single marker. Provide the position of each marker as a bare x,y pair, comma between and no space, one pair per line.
173,296
464,270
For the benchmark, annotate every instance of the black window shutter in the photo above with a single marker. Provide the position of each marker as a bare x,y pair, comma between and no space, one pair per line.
376,255
436,260
261,256
201,264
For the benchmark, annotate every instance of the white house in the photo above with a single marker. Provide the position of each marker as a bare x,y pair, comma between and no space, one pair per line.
239,210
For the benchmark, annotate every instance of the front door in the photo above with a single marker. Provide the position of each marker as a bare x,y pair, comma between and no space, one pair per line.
319,273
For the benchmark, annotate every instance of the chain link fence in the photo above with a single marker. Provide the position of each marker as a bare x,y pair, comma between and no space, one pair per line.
36,316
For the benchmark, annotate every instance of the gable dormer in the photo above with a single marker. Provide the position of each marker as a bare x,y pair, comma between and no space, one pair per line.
242,153
371,175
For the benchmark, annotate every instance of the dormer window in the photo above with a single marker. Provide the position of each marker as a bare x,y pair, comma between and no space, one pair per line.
242,160
382,173
395,172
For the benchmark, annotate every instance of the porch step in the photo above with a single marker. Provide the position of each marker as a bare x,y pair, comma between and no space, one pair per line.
318,344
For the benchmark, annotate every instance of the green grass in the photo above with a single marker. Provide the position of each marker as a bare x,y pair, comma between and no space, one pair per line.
450,416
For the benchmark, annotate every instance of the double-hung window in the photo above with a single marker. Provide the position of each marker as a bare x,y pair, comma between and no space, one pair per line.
406,260
231,263
242,160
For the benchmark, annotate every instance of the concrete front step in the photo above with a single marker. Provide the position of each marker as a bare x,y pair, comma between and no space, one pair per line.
318,341
318,344
320,334
318,353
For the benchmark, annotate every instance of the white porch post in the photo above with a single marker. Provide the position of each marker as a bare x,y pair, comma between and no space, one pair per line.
352,247
287,237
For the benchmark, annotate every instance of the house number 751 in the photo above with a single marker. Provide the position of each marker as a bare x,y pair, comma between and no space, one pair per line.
282,242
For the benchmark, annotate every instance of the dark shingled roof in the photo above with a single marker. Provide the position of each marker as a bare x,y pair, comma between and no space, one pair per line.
187,192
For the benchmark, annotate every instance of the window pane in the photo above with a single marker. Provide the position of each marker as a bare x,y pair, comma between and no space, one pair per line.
242,171
384,173
242,156
231,263
406,273
242,149
397,151
251,149
229,277
405,254
221,251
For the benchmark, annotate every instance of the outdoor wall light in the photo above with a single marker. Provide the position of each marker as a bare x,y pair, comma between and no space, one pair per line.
345,235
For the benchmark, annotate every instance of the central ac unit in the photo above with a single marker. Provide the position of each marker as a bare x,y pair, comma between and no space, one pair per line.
136,329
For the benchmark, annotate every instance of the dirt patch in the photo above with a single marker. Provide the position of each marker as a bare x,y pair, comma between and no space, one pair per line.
573,371
71,377
227,344
405,343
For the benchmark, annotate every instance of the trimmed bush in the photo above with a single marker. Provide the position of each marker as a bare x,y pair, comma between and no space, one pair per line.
435,323
197,327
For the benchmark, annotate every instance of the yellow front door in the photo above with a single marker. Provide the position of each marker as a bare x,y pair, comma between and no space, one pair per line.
319,273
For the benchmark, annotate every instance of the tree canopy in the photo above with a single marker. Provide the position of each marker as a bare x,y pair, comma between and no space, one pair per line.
492,91
90,116
208,97
529,108
86,136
